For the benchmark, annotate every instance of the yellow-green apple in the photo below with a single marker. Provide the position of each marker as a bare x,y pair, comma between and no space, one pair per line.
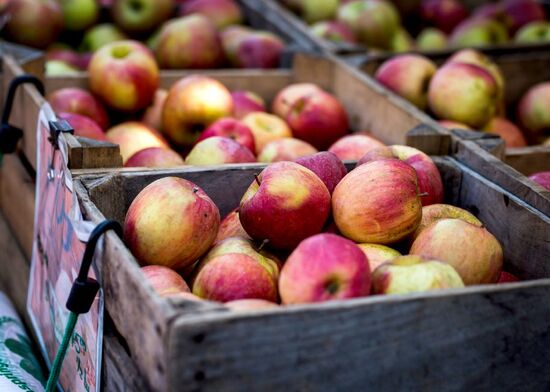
59,68
257,49
245,102
83,126
507,277
249,305
285,204
412,274
435,212
171,222
141,16
285,149
429,178
193,103
99,35
286,98
189,42
79,14
465,93
409,76
378,254
315,10
217,150
333,31
541,178
328,167
155,157
152,116
266,128
318,118
453,124
165,281
231,128
124,75
478,32
221,13
508,131
374,22
532,112
474,252
533,32
378,202
133,136
353,147
521,12
402,41
324,267
431,38
79,101
35,23
443,14
230,226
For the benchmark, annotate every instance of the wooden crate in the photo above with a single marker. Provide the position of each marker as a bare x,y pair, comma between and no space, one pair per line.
448,340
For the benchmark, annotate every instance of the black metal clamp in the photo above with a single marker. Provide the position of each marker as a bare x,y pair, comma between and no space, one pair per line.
10,135
84,288
57,127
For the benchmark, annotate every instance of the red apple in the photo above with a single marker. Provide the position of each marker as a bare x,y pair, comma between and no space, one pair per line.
231,128
258,49
353,147
284,205
532,113
230,226
153,114
155,157
249,305
522,12
141,16
218,150
245,102
443,14
165,281
65,54
221,13
333,31
378,254
285,149
286,98
266,128
378,202
541,178
328,167
322,268
79,101
507,277
171,222
124,75
507,130
133,137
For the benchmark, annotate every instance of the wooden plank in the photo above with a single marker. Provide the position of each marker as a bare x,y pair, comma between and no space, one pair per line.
529,160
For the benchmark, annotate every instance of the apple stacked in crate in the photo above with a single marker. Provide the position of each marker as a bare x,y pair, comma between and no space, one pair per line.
307,231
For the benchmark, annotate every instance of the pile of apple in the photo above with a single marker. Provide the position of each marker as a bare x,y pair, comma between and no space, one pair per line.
446,23
309,231
182,34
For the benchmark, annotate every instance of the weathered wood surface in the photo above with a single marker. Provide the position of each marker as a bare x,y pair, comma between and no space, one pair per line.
529,160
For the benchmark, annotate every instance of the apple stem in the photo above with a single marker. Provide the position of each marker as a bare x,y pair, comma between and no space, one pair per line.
195,189
257,179
264,242
423,194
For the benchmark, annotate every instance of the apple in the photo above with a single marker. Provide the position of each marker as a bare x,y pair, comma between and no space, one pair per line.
378,254
443,14
327,166
286,98
230,226
134,136
124,75
453,124
165,281
231,128
507,277
436,212
474,252
409,76
61,53
324,267
257,49
316,10
430,184
186,296
285,204
541,178
171,222
507,130
35,23
189,42
141,16
79,101
353,147
250,304
83,126
533,32
333,31
411,274
84,60
245,102
155,157
218,150
378,202
318,118
431,38
99,35
374,22
285,149
79,14
59,68
532,114
193,103
402,41
493,11
231,37
478,32
152,116
464,93
221,13
266,128
521,12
